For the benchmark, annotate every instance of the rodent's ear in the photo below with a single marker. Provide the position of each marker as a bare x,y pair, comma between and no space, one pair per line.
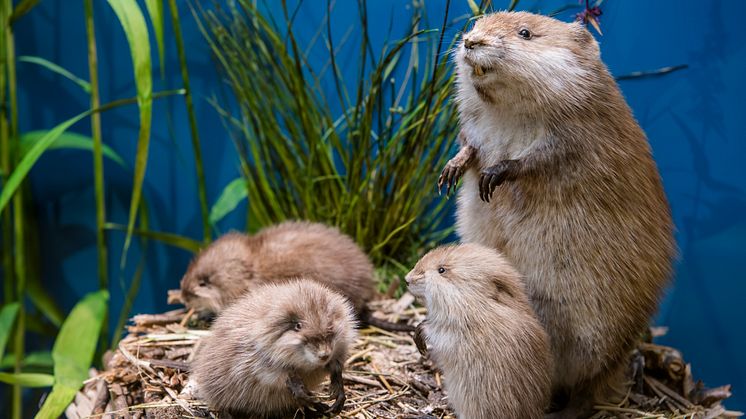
585,38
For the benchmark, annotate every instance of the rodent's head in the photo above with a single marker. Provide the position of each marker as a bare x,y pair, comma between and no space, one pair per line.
218,274
308,325
526,61
449,274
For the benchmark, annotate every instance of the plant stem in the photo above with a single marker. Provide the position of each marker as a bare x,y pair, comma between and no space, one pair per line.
201,188
18,213
5,168
98,163
98,157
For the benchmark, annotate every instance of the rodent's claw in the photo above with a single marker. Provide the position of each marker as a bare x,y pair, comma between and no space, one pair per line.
339,403
419,339
450,177
494,176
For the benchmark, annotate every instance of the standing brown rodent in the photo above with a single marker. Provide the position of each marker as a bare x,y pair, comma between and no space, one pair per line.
569,190
236,263
273,345
482,333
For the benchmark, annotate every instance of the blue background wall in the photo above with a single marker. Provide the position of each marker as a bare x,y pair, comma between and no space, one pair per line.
694,119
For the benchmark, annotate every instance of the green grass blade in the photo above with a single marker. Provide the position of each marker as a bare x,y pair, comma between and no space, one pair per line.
155,11
7,318
21,9
232,195
197,150
30,158
131,18
27,379
43,301
170,239
70,140
56,69
98,153
39,359
73,351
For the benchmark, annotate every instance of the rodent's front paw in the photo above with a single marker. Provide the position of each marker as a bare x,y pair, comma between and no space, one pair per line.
450,176
494,176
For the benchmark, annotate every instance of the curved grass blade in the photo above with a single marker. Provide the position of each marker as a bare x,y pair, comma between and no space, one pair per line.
56,69
7,318
70,140
42,300
131,18
21,9
39,359
27,379
170,239
30,158
235,192
73,351
155,11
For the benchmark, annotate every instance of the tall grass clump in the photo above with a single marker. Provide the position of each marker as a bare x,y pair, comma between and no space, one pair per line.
369,169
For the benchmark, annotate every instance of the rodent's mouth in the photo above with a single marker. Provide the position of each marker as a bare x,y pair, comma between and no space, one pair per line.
477,69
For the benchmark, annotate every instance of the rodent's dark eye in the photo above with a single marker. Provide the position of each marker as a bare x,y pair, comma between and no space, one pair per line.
441,270
297,326
203,280
524,33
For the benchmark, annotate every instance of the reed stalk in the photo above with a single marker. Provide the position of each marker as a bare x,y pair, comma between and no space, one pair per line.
18,246
201,185
98,157
5,167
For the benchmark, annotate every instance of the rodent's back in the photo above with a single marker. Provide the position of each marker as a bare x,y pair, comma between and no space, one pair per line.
315,251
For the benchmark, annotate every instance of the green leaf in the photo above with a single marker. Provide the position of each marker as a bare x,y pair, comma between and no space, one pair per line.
39,359
22,8
56,69
170,239
131,18
155,10
42,300
27,379
232,195
73,351
70,140
30,158
473,6
7,318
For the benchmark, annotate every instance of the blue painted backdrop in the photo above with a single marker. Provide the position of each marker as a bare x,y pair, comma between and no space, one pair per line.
694,119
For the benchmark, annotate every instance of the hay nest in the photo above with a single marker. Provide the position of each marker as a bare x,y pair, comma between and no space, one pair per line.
147,376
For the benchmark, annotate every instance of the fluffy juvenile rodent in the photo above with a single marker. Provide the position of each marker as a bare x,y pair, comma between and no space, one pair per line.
558,175
273,345
236,263
482,333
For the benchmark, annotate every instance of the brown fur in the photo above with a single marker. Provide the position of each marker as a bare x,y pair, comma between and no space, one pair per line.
254,349
578,206
482,333
236,263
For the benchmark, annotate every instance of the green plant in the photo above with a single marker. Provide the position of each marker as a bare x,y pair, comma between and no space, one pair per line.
84,329
370,168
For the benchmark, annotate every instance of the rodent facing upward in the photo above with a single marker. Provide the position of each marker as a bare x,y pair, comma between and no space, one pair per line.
236,263
482,333
273,345
559,177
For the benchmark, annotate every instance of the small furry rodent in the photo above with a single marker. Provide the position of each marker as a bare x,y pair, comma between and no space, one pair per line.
482,333
237,263
559,177
273,345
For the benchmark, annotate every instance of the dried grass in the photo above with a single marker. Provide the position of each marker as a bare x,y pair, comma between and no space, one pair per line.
385,376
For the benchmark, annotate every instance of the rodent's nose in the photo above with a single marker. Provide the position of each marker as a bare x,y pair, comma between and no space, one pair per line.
324,356
470,42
